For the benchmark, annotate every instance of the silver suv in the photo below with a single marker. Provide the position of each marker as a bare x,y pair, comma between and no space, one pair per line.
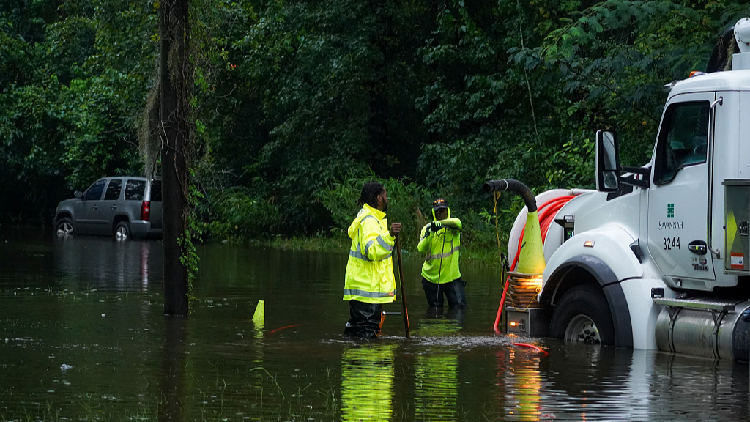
114,206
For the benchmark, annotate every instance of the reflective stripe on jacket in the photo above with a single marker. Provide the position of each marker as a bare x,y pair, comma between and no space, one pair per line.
442,250
369,272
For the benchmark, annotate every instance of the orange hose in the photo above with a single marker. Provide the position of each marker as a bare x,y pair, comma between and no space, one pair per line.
531,346
546,212
281,328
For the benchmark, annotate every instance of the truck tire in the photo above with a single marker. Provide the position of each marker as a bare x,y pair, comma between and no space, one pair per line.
122,231
64,226
583,315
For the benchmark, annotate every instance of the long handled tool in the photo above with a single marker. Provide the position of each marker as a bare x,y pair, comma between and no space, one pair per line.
401,279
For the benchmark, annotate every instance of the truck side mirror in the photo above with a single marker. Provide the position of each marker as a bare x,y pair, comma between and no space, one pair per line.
78,194
607,162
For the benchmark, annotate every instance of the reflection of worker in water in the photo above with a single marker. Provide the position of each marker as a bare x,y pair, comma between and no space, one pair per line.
436,386
441,241
367,378
369,273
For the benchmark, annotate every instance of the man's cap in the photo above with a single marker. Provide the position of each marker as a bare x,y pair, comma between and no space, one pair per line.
439,204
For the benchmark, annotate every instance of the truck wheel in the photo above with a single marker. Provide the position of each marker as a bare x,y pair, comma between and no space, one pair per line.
583,316
122,231
64,227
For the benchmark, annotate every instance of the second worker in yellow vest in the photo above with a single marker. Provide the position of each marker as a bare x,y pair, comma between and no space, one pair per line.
440,240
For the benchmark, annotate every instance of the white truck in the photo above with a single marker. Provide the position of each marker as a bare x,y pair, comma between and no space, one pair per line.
657,257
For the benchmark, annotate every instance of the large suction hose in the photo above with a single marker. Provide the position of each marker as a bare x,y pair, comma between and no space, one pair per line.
531,258
512,185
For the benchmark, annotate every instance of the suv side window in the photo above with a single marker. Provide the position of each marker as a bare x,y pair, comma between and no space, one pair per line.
135,189
683,139
113,190
156,190
94,192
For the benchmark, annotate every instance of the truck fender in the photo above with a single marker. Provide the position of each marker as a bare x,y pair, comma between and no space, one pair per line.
618,305
608,260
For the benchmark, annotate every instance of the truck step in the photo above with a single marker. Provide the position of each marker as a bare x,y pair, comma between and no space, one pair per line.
696,304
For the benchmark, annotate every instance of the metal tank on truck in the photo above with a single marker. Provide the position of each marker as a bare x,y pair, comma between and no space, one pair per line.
657,257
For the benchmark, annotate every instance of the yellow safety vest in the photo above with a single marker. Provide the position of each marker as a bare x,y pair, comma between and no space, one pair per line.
442,250
369,272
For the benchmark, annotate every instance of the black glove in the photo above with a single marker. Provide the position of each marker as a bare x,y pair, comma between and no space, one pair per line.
435,226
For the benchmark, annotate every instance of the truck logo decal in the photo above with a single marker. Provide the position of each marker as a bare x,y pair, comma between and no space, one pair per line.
670,210
667,225
700,264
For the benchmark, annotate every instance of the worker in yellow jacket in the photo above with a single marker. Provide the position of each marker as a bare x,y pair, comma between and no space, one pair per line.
440,240
369,279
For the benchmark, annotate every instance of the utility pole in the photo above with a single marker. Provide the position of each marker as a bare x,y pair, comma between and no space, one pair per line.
175,81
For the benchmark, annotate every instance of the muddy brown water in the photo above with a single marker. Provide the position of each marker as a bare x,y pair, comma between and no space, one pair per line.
83,337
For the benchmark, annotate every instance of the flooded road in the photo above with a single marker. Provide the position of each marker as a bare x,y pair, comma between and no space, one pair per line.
83,337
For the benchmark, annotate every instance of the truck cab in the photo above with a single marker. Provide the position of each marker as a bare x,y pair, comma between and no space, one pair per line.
656,256
678,215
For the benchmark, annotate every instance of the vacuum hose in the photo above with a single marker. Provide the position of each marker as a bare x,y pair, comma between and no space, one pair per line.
530,253
512,185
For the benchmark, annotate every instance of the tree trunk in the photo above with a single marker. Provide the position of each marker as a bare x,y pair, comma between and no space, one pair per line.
174,77
172,385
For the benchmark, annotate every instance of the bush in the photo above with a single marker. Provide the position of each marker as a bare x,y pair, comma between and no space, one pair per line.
235,215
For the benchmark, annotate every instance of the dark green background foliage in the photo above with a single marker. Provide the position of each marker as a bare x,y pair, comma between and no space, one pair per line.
298,103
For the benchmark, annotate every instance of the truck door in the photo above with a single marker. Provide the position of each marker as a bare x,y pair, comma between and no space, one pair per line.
679,194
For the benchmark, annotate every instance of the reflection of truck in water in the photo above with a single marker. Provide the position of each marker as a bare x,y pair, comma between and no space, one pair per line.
658,257
86,262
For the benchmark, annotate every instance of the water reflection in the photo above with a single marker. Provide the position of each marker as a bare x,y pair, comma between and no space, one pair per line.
711,390
519,383
107,264
436,385
523,386
593,382
367,383
607,383
440,322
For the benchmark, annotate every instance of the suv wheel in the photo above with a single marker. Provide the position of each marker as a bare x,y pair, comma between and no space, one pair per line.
122,231
64,227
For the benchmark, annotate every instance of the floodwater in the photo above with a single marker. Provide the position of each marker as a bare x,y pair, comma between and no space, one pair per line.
83,337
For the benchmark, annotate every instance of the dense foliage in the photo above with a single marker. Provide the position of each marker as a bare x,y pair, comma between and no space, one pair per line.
299,102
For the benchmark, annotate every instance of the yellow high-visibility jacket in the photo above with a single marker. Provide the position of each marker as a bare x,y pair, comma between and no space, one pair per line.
369,272
442,250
